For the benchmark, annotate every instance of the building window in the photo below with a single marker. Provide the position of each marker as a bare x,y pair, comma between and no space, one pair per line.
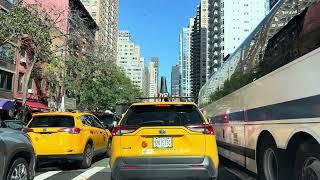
23,55
6,80
30,84
20,82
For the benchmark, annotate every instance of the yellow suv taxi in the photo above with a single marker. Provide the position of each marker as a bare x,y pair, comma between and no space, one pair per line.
164,140
71,136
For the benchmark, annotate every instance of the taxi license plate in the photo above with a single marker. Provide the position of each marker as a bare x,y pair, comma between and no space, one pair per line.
162,142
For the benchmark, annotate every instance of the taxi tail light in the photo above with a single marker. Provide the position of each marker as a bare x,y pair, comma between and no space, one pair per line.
205,129
130,167
120,130
26,130
73,130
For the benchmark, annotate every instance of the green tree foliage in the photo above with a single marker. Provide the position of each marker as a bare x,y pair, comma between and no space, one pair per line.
30,26
97,83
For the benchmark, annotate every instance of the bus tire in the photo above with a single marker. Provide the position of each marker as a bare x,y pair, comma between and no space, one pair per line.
307,162
272,162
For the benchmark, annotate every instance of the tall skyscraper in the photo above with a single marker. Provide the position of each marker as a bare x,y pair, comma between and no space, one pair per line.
230,23
105,13
146,82
175,81
153,77
129,58
199,49
185,59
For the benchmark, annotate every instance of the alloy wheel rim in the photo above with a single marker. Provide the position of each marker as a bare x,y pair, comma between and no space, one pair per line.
309,169
270,165
20,172
88,155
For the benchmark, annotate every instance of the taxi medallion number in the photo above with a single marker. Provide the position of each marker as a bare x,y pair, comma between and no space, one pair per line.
162,142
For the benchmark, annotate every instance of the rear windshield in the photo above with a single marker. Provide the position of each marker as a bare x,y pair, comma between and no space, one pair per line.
106,119
52,121
163,115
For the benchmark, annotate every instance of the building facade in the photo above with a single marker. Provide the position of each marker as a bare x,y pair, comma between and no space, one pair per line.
230,22
7,67
185,59
199,49
175,81
105,13
154,77
129,59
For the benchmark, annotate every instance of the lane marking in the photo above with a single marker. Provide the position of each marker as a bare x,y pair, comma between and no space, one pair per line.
46,175
88,173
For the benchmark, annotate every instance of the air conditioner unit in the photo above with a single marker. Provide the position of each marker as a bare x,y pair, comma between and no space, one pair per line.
23,60
30,91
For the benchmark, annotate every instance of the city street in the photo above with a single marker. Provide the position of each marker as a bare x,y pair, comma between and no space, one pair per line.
99,170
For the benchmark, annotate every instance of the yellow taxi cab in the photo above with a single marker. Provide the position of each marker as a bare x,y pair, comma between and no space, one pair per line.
164,140
70,136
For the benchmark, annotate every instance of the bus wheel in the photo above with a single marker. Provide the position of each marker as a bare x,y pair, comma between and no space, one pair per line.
307,164
271,161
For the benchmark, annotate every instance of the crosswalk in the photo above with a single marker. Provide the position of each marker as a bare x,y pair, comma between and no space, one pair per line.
99,170
95,173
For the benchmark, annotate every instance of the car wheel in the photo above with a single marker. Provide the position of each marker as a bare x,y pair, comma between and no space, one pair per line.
19,170
307,163
108,153
87,156
272,163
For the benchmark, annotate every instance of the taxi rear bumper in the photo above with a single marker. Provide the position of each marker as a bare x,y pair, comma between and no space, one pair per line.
181,167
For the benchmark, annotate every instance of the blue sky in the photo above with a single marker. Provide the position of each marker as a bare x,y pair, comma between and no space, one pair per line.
155,25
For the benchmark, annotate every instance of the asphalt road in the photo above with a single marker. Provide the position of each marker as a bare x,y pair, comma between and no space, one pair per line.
100,170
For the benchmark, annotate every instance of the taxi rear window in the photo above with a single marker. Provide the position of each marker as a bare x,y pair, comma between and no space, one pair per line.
163,115
52,121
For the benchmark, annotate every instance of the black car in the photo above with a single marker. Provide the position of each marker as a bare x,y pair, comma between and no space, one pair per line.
108,120
17,157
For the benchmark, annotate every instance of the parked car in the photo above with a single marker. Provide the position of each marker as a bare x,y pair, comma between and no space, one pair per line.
109,120
70,136
12,124
17,157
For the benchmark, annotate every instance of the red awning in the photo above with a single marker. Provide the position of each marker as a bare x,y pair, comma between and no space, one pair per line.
35,105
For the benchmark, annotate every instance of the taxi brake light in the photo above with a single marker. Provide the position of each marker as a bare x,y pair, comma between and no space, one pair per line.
205,128
130,167
120,130
27,130
73,130
162,105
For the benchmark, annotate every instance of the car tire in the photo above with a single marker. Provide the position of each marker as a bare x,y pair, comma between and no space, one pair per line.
20,169
87,157
108,152
272,162
307,162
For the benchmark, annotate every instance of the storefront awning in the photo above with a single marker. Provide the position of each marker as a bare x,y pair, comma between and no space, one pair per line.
6,104
35,105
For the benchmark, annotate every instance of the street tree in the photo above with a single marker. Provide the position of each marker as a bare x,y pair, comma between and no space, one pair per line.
30,26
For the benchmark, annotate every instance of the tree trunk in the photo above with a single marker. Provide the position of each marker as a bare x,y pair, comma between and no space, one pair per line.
25,88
